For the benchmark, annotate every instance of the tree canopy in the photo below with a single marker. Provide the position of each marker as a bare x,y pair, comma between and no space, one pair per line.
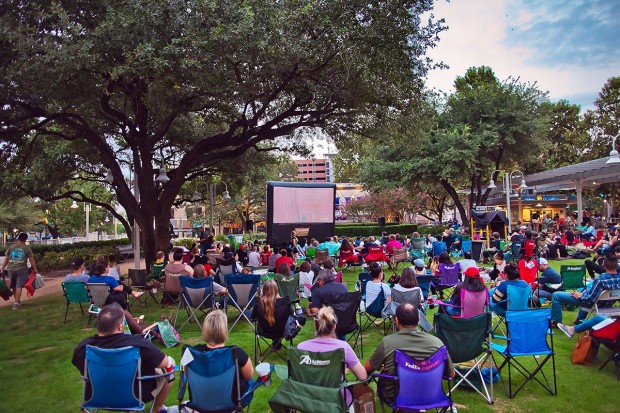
143,84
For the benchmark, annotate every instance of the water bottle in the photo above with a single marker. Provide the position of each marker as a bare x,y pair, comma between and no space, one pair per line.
298,309
170,369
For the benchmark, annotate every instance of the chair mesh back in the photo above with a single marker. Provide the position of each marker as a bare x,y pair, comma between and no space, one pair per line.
242,287
421,374
98,293
111,373
374,308
572,276
172,284
463,337
424,282
196,290
75,292
363,278
324,369
466,246
138,277
413,297
518,297
449,274
438,247
211,377
288,286
528,332
417,243
473,302
345,307
275,331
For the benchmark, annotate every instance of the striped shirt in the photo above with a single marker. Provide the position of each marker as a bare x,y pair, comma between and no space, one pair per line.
603,282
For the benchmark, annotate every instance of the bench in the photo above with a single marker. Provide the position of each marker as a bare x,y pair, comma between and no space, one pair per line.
125,251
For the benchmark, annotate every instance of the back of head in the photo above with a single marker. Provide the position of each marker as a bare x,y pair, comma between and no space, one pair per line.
407,315
467,255
100,268
528,234
159,255
325,322
112,259
215,328
200,271
284,269
328,264
177,255
268,300
444,258
305,266
610,263
511,271
283,252
77,263
408,279
109,318
375,270
23,237
325,275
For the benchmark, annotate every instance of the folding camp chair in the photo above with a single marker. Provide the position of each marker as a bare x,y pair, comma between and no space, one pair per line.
468,339
515,252
138,280
171,289
223,271
413,375
528,270
75,292
417,249
372,315
424,282
242,293
573,277
517,299
288,286
360,284
399,255
346,307
157,271
97,294
438,247
529,335
212,258
347,259
109,376
375,254
196,295
321,257
609,337
213,381
604,304
314,383
473,303
263,332
449,277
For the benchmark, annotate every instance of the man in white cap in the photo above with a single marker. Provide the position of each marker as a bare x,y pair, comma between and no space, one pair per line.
548,282
419,267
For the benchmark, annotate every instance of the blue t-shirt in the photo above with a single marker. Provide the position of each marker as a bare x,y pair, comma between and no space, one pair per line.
104,279
501,292
82,278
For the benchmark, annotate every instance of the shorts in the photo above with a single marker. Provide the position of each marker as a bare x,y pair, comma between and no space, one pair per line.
151,388
19,277
534,221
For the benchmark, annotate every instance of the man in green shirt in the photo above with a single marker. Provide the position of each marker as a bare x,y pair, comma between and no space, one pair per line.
16,262
411,341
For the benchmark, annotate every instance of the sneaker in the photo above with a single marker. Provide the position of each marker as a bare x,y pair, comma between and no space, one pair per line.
566,330
16,306
138,294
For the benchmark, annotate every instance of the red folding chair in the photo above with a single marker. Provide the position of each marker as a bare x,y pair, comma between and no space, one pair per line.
609,337
375,254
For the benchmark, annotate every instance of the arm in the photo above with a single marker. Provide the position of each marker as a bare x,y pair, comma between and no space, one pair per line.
33,264
134,327
247,371
588,297
189,270
361,372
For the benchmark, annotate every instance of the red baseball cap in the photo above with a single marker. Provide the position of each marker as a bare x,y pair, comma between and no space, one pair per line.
472,272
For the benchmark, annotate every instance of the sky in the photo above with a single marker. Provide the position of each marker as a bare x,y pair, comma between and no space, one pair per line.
568,47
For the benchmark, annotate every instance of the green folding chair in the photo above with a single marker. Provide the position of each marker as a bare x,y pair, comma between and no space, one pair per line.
288,286
573,277
75,292
314,383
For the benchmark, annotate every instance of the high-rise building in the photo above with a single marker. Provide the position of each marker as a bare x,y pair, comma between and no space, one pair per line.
313,170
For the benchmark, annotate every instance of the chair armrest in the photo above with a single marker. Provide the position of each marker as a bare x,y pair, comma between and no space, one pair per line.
448,304
352,383
384,376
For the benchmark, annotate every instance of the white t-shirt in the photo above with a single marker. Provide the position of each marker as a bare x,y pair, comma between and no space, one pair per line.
373,289
254,259
113,272
465,264
306,278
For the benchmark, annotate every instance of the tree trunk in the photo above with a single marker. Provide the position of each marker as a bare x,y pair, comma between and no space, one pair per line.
455,197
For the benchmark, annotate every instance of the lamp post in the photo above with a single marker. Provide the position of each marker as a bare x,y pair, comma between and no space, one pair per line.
613,155
225,196
508,189
74,205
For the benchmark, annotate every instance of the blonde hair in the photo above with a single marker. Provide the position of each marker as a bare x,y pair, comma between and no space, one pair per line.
215,328
435,264
200,271
325,322
268,301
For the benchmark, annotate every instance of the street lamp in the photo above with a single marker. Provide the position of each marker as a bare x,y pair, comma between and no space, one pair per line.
74,205
613,155
508,188
162,177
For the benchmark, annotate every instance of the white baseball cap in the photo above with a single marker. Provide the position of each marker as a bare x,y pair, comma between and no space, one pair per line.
542,261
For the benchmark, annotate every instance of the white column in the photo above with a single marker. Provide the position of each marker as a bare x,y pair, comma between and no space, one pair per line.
508,189
579,202
87,209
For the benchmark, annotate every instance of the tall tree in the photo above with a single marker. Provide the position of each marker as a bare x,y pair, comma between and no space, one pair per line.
604,120
140,85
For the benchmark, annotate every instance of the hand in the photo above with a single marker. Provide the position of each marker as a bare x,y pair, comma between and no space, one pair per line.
576,294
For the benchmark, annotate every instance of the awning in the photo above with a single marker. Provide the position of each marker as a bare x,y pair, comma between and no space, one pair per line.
590,173
483,219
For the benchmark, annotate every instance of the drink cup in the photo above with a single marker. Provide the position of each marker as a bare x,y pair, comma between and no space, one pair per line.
263,370
170,369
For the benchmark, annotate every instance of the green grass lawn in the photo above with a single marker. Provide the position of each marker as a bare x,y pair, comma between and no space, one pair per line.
37,375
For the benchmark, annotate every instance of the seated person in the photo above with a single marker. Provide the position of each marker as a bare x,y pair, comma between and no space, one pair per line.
254,259
548,276
499,264
265,256
449,238
596,266
589,234
494,246
410,340
110,335
113,268
392,244
325,340
188,257
370,242
582,327
177,266
215,335
158,266
271,313
306,278
529,245
499,295
242,255
376,284
271,265
605,243
136,325
467,262
284,259
555,249
100,277
419,269
77,275
231,259
204,270
471,282
324,285
444,263
541,244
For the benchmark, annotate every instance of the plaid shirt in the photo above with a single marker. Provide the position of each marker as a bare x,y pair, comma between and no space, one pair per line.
602,282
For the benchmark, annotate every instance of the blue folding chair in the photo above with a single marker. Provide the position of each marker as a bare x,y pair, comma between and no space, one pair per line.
111,379
360,284
438,247
529,335
213,381
413,375
424,282
197,295
517,299
373,314
242,293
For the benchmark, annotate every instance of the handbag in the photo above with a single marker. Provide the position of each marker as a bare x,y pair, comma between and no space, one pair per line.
167,334
291,328
5,291
38,281
584,350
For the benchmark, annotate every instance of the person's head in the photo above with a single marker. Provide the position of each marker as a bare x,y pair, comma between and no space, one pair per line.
472,280
496,235
315,243
283,252
77,264
444,258
371,239
284,269
215,328
335,238
100,258
528,234
408,279
325,322
22,237
407,316
324,276
515,238
419,264
266,248
159,255
346,245
451,231
117,297
512,272
617,251
543,264
268,297
111,260
375,271
610,263
305,266
329,264
110,319
177,255
200,271
101,268
392,237
467,255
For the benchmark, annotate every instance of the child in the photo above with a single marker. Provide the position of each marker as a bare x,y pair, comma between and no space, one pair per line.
113,268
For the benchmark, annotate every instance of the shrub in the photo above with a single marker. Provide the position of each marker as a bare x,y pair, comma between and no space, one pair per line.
185,242
366,230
